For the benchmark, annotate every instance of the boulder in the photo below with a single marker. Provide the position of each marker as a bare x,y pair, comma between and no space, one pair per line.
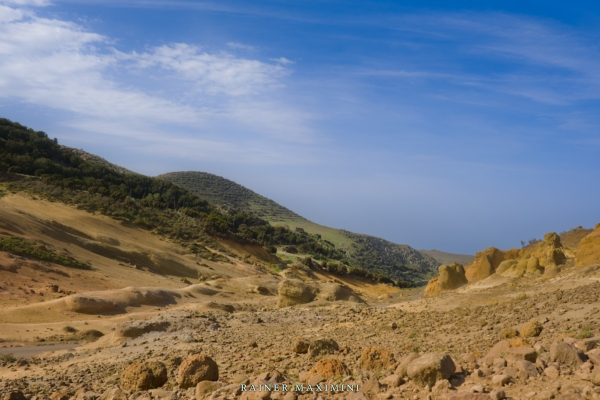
196,369
498,349
588,249
329,368
401,369
450,277
521,353
320,347
375,358
204,388
292,292
300,345
531,329
565,353
331,291
430,368
144,376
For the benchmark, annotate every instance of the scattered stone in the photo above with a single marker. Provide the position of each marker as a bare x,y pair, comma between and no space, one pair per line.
595,377
376,358
497,395
531,329
392,380
442,386
528,369
320,347
552,372
588,344
329,368
114,393
301,345
464,396
500,380
508,333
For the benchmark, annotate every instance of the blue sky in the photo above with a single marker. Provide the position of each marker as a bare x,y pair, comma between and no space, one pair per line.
448,125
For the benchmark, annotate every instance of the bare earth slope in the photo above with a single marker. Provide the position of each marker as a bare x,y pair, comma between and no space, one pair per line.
252,341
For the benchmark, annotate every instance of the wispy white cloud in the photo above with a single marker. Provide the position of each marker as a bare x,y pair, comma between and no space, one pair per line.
37,3
283,61
60,65
241,46
213,73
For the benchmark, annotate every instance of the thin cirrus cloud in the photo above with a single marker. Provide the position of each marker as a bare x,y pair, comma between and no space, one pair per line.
60,65
213,73
541,60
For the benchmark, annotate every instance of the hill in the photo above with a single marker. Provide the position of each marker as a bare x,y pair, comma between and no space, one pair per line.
98,160
368,252
33,165
449,258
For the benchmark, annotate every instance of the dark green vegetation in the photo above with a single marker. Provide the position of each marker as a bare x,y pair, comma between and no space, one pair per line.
378,256
33,163
396,260
31,249
223,192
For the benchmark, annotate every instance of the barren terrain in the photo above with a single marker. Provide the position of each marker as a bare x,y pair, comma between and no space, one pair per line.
149,319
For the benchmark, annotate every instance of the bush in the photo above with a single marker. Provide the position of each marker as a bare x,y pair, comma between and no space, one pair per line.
22,247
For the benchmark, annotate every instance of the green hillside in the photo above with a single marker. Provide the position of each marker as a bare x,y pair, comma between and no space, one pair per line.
33,163
368,252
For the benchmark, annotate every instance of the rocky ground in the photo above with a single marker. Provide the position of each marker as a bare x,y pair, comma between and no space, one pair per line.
518,339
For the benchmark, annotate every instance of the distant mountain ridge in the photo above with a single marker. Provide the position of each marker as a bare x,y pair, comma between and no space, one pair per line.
448,258
374,254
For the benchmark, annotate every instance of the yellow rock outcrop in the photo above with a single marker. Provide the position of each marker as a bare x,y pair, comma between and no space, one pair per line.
486,262
588,250
451,277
